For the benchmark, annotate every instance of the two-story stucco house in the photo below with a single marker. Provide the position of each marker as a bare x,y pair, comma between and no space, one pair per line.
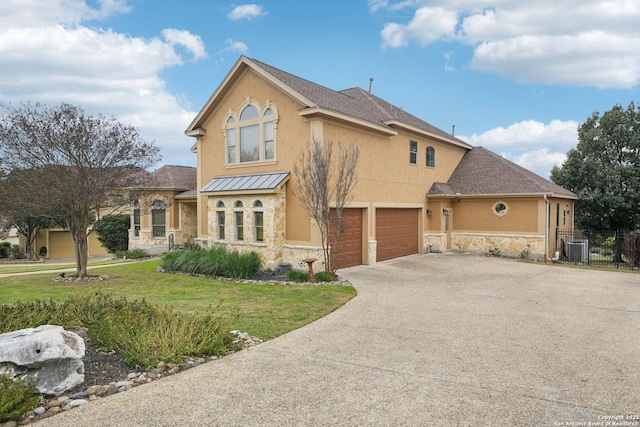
419,188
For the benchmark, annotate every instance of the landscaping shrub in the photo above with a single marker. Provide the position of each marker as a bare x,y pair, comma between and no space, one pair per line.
146,338
140,333
5,249
323,276
133,254
242,265
16,398
297,276
113,232
216,261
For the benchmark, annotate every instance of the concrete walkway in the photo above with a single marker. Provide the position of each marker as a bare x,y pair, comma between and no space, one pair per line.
429,340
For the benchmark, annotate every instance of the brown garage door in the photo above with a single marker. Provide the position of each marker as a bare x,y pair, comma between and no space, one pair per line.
396,232
350,246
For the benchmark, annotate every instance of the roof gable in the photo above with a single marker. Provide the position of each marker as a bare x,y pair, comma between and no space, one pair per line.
352,104
482,172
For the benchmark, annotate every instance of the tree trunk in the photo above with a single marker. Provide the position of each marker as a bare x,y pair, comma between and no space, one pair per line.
82,249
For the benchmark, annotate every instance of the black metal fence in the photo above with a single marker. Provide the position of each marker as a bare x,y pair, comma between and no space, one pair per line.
598,248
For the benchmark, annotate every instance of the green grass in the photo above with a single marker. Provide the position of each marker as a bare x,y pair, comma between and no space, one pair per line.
265,311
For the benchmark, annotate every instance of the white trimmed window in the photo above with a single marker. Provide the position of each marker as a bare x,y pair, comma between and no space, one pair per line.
158,219
431,157
221,220
258,221
251,136
413,152
239,220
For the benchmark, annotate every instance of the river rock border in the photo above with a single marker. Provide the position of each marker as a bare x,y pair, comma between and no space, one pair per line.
55,405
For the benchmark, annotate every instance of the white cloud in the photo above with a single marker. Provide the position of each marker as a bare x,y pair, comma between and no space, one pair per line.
374,5
586,42
100,70
37,13
191,42
235,46
428,24
531,144
246,11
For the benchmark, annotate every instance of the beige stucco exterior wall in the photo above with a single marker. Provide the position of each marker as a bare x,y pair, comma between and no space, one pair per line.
385,178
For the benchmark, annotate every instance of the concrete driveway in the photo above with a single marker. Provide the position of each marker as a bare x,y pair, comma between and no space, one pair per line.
429,340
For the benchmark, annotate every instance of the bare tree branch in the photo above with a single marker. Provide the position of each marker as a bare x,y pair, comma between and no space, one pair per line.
76,160
321,179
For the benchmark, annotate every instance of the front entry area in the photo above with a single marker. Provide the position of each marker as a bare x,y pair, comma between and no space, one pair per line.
396,232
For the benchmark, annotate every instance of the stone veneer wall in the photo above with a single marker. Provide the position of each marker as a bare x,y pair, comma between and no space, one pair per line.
154,246
274,225
507,244
434,242
188,224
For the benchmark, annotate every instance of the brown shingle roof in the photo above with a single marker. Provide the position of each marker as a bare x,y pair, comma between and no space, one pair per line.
354,102
483,172
174,177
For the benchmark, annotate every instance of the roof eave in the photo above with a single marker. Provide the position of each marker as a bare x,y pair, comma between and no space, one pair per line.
334,114
415,129
243,61
494,195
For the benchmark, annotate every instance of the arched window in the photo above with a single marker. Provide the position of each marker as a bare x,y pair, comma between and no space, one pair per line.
221,220
231,141
253,137
158,219
431,157
136,218
258,221
239,220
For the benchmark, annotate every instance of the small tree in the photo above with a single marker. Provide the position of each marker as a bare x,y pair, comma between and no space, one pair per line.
81,161
113,232
323,180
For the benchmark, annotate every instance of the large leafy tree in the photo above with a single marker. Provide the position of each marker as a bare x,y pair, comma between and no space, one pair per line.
604,170
76,161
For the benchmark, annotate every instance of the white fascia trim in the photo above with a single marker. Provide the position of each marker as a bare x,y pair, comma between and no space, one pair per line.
424,132
331,113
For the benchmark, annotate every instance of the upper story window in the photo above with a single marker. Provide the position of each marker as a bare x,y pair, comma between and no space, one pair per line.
431,157
251,138
413,152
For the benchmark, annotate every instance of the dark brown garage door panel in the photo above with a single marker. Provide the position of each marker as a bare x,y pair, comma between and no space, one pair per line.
350,247
396,232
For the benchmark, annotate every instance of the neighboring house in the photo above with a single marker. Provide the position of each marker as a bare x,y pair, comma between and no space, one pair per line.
419,188
165,213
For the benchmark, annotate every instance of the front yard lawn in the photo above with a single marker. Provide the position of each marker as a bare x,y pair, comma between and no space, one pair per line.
265,311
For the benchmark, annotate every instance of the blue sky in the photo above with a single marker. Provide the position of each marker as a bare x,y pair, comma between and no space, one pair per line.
514,76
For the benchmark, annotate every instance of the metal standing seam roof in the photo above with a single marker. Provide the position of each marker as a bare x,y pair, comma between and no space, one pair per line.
259,181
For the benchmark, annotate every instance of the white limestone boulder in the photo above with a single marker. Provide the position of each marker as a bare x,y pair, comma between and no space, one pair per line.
47,355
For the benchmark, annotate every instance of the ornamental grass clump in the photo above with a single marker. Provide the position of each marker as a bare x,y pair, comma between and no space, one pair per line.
141,333
216,261
16,398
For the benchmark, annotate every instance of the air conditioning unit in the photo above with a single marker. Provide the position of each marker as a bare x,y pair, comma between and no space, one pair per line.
578,251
